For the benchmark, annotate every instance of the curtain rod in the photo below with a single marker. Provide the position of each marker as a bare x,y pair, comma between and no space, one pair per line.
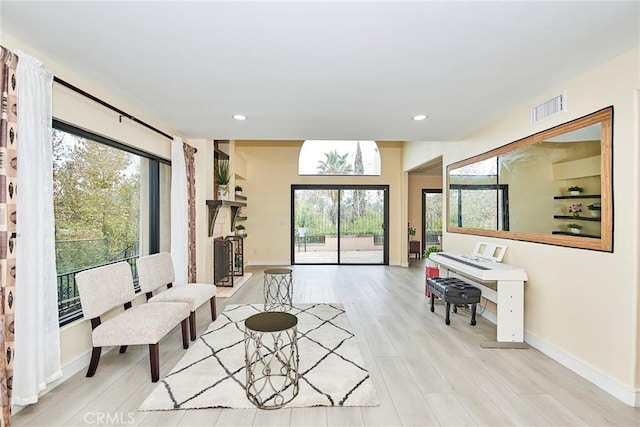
111,107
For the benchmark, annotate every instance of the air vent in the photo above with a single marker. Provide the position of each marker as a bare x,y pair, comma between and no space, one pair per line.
548,108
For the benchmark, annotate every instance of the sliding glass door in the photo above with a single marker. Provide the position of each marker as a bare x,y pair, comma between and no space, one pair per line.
339,224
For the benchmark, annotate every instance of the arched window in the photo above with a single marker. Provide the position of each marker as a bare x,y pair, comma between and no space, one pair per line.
339,158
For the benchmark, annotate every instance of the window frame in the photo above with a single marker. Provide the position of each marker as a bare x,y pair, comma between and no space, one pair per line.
154,195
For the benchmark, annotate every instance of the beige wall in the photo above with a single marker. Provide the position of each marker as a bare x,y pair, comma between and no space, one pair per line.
271,168
581,306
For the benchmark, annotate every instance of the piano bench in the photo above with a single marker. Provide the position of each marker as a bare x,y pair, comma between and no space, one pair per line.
454,291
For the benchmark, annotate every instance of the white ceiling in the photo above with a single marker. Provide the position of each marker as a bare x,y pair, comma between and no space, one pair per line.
325,70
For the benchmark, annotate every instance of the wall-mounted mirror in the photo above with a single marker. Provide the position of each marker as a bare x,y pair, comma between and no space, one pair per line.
553,187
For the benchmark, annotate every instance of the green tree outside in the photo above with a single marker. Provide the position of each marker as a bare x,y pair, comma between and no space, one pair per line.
96,202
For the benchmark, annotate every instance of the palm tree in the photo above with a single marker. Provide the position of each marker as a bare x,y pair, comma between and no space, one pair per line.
334,164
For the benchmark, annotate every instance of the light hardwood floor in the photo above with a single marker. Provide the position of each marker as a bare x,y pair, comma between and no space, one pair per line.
425,373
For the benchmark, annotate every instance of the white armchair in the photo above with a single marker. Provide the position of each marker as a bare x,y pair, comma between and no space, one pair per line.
103,288
156,271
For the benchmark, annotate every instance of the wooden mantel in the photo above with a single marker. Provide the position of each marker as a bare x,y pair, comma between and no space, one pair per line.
215,205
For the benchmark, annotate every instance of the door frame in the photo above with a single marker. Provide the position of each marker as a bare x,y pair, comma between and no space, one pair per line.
340,187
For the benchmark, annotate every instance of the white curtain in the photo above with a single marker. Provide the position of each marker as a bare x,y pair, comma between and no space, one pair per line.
179,212
37,340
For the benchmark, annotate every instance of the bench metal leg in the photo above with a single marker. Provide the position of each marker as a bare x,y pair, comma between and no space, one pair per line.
446,319
473,315
432,308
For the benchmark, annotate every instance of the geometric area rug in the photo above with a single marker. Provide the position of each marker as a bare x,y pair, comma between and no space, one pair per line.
211,374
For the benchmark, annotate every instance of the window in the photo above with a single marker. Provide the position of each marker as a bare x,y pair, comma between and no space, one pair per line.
111,203
479,209
339,158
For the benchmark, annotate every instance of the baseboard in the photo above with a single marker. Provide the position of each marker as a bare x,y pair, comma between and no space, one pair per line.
612,386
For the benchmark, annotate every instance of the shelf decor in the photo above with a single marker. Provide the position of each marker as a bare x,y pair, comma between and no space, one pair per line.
575,209
594,210
574,228
575,191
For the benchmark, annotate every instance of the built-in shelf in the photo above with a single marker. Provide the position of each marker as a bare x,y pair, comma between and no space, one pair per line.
581,218
582,196
568,233
240,197
215,205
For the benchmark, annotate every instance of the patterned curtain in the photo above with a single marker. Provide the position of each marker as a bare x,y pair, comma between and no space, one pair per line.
189,151
8,171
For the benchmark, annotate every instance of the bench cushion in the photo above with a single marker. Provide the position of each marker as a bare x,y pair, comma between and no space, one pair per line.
141,324
454,290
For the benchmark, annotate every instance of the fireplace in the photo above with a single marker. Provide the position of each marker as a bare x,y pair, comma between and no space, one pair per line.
222,262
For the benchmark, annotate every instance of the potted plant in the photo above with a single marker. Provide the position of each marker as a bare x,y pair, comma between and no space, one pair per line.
238,189
575,190
412,232
241,230
222,176
574,228
594,210
428,252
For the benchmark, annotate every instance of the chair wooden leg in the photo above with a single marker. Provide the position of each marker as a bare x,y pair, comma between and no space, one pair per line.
123,348
185,334
95,358
214,314
154,359
192,325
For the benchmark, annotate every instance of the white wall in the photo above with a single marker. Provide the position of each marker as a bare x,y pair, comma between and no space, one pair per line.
581,306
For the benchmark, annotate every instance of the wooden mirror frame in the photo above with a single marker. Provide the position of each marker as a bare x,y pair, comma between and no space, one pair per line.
605,242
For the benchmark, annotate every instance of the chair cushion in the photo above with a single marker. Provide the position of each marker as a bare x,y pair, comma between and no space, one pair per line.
103,288
194,294
141,324
155,271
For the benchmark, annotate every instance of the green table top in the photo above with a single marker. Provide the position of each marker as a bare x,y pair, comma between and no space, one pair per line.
271,321
278,271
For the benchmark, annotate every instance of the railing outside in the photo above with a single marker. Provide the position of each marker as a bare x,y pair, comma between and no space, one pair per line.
69,308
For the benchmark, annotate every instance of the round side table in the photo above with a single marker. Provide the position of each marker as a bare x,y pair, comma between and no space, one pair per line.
278,289
271,359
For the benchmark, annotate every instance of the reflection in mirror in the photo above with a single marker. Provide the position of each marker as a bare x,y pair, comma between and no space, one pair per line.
552,187
538,173
473,191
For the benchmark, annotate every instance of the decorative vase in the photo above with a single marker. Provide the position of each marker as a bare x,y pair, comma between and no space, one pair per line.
595,213
223,192
240,232
574,193
574,230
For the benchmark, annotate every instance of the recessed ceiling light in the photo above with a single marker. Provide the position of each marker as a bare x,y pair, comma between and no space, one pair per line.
419,117
239,117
